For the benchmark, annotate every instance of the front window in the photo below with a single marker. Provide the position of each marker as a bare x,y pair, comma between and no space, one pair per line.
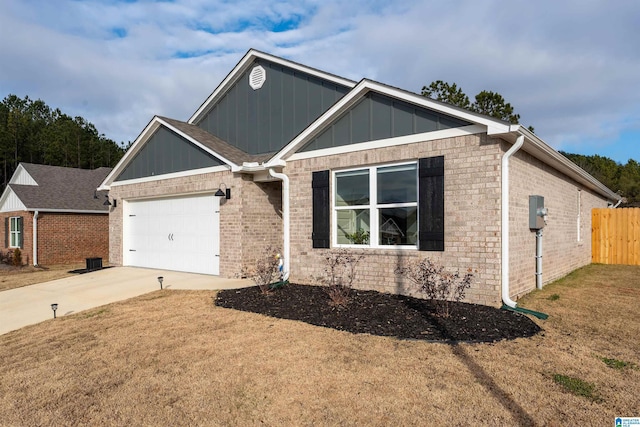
377,206
15,231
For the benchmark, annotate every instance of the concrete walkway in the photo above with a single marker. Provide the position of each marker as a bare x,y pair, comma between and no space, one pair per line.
32,304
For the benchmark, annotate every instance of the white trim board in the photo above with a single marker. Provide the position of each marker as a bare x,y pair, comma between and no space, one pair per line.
390,142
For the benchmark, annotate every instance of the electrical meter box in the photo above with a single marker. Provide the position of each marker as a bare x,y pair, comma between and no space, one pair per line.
537,212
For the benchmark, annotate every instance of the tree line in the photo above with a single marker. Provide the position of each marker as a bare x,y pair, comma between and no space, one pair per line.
33,132
622,179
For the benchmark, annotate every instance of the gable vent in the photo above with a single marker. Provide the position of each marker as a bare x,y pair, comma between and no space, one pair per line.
257,77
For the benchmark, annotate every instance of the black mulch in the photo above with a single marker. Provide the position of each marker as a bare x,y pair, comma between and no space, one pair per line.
382,314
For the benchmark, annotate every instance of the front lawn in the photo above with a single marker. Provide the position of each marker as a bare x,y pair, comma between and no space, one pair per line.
16,277
175,358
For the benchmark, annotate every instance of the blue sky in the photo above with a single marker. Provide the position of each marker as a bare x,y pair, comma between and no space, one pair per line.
571,69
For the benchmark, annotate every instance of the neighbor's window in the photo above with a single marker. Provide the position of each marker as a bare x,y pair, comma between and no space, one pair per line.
376,206
15,231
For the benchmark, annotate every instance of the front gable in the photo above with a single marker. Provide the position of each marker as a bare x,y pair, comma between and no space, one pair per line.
166,152
22,177
10,202
268,105
376,117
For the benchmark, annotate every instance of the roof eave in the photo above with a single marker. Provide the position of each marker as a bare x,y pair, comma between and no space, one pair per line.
547,154
144,136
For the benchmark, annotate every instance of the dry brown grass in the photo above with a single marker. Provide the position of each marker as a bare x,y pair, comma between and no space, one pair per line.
11,277
173,358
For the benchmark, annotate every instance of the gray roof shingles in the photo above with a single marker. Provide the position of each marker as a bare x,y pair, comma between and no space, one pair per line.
61,188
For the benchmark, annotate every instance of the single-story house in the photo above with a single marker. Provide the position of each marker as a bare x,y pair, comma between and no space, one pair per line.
285,155
54,215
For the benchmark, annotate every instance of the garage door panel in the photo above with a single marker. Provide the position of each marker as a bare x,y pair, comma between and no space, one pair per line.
180,233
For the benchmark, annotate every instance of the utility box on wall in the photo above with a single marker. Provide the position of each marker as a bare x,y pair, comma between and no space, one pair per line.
537,212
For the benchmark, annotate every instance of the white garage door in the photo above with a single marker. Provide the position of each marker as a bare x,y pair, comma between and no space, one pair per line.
178,233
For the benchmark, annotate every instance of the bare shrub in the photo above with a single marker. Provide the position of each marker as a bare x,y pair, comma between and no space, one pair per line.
438,284
266,271
17,258
339,274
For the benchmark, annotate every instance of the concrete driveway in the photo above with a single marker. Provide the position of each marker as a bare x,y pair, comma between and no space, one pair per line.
32,304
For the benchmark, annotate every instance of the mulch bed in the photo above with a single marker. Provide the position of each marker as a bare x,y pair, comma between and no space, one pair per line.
382,314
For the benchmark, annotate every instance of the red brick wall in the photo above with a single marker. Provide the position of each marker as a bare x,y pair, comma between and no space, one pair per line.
26,250
63,238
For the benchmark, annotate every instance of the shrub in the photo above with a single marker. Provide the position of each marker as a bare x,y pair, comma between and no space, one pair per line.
339,274
266,270
438,285
17,258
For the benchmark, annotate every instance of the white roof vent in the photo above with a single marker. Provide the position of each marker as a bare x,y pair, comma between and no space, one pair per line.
257,77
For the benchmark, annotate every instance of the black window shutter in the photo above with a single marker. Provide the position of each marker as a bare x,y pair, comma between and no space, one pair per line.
431,204
20,232
6,232
321,209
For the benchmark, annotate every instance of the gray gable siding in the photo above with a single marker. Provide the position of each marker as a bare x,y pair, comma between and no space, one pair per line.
378,117
167,152
265,120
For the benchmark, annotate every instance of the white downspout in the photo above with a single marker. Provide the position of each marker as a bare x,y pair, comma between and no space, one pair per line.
539,259
505,222
35,238
285,219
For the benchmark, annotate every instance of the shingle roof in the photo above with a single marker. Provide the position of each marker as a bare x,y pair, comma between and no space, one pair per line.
62,188
216,144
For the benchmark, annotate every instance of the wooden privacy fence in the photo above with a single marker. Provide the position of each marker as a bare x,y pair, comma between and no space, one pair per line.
615,236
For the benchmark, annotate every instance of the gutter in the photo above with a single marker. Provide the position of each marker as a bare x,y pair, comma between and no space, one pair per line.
285,220
35,238
505,222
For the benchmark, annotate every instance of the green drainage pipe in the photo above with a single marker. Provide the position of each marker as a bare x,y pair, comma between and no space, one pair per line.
279,284
525,311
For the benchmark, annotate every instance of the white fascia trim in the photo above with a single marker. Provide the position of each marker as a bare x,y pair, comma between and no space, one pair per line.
390,142
366,86
181,174
544,152
148,131
244,64
151,127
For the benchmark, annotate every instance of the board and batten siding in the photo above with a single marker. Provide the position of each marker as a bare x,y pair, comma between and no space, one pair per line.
266,119
167,152
378,117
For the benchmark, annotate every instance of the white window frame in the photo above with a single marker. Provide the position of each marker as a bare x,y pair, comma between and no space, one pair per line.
14,232
373,207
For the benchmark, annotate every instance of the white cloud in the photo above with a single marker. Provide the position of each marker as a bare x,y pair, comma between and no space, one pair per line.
570,68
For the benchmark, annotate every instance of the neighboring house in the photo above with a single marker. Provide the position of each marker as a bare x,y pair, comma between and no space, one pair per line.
310,159
55,215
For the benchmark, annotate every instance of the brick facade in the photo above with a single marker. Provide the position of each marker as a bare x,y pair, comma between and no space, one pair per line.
568,202
250,220
472,215
63,238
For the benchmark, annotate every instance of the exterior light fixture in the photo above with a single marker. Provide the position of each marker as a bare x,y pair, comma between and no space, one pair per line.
54,307
160,279
108,203
226,193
